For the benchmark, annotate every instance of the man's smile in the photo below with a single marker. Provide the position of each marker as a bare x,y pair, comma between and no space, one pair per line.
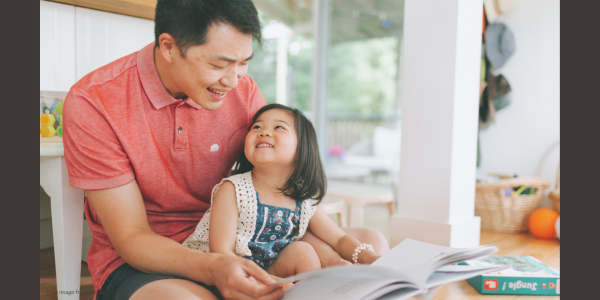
217,92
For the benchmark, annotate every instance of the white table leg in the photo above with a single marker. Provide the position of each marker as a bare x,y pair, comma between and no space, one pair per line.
357,213
67,225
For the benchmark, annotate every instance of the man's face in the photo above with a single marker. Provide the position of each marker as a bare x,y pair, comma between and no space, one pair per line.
211,70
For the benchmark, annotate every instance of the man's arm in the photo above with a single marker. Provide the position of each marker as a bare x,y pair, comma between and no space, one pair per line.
123,215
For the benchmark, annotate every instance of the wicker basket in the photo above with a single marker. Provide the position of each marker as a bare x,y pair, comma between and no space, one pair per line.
508,214
555,194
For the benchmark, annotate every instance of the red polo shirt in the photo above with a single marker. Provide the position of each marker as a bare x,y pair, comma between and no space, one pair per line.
121,124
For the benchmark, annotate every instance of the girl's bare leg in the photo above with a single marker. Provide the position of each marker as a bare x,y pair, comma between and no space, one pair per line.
297,257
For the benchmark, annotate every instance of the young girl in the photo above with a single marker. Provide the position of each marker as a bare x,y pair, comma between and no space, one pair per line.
264,209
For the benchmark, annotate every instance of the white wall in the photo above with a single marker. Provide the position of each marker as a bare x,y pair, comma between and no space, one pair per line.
102,37
528,129
57,46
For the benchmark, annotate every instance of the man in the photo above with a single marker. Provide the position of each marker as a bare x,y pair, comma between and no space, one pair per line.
149,135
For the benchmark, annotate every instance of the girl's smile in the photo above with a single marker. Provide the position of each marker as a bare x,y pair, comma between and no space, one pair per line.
264,144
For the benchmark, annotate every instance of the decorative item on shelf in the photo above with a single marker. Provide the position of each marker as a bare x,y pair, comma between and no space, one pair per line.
58,110
505,205
542,223
47,121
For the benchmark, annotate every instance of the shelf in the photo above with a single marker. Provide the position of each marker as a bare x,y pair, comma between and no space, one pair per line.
53,94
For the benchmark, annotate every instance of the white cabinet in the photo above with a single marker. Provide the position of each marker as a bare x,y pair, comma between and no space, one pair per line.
57,46
103,37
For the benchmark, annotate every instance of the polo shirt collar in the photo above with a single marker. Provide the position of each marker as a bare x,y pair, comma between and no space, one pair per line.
155,90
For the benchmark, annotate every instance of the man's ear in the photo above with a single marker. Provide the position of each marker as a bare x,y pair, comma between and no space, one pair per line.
167,46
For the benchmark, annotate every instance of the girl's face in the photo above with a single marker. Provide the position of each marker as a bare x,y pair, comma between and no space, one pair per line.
272,139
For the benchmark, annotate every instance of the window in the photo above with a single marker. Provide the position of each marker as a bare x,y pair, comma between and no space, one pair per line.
361,140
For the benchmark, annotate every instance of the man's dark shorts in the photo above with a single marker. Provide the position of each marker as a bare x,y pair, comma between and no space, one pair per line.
126,280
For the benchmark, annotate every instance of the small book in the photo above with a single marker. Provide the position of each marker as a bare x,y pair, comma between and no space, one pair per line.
411,269
525,276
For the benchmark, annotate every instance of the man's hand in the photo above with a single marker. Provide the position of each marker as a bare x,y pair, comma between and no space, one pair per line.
236,278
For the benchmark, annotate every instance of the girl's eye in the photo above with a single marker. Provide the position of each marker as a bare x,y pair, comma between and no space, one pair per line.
279,127
255,127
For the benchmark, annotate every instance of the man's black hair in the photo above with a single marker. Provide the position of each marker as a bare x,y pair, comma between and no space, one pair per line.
188,20
308,178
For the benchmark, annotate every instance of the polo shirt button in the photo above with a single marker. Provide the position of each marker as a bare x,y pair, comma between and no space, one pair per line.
278,227
180,130
280,213
273,237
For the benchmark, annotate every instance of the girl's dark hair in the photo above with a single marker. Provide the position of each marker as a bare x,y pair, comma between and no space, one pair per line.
188,20
308,178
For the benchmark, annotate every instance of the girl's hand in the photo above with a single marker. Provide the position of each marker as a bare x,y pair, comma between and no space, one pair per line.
368,259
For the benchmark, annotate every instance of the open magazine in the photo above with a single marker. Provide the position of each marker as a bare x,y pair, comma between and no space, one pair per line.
411,269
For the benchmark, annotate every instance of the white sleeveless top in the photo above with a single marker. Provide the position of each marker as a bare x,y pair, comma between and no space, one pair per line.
247,206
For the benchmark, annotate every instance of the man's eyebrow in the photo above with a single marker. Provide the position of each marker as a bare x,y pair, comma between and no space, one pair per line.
229,59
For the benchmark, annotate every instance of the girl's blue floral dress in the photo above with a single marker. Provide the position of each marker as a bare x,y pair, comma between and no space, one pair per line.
262,230
274,227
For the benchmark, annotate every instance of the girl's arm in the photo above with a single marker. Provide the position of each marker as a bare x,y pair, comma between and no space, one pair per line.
325,229
223,221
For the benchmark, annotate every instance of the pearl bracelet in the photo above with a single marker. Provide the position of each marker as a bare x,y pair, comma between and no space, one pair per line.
360,249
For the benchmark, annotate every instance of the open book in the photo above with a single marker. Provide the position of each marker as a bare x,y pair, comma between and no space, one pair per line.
411,269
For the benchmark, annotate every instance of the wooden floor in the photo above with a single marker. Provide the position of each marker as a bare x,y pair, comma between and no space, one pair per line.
547,251
48,278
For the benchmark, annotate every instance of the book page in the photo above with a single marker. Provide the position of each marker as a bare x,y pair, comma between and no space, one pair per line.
400,294
410,252
418,260
465,255
428,295
359,271
343,288
463,268
405,270
440,278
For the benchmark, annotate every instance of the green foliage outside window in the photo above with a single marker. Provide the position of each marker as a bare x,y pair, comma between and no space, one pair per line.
362,73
